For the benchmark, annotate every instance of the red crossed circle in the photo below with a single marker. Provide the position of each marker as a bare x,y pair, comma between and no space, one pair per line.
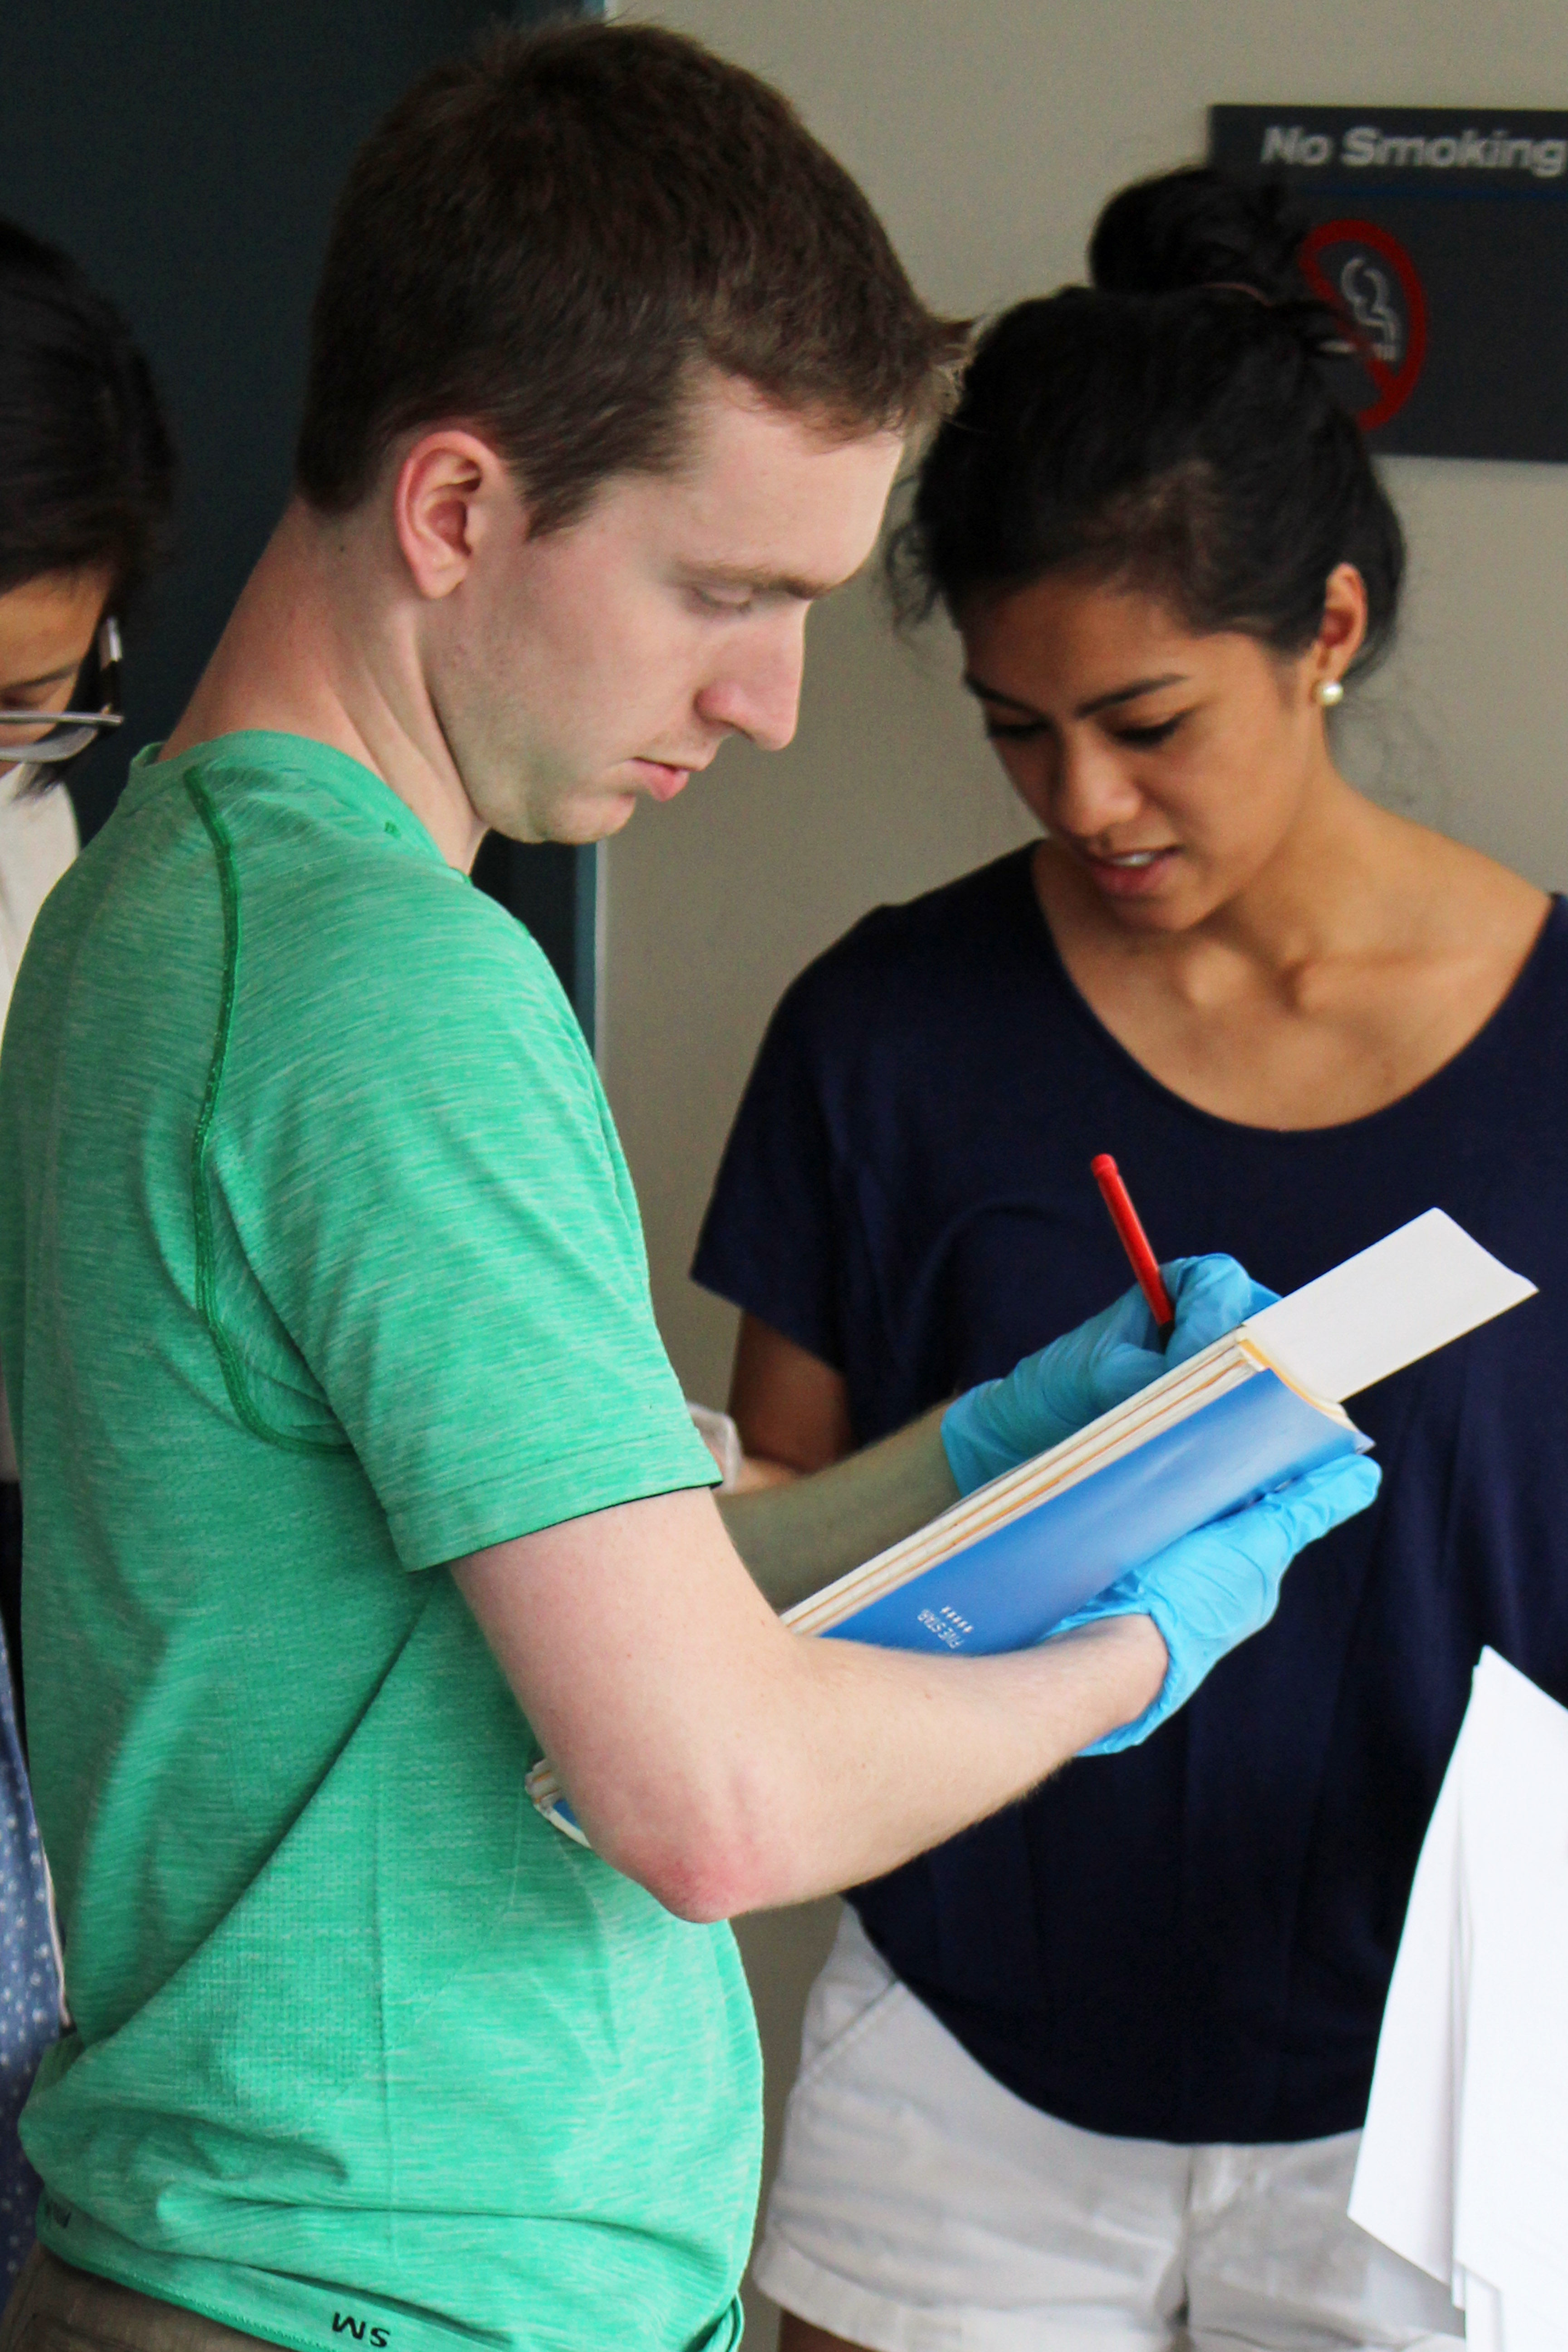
1394,385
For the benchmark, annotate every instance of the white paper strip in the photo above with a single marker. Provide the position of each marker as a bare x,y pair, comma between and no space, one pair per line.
1424,1286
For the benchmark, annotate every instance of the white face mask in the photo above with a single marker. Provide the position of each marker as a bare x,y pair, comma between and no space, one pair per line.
15,779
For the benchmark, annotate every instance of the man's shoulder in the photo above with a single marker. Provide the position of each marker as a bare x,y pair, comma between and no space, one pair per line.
344,910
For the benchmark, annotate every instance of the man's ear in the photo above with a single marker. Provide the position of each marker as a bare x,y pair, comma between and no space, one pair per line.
451,490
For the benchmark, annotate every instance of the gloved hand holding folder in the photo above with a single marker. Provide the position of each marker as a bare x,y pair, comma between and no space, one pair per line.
1210,1590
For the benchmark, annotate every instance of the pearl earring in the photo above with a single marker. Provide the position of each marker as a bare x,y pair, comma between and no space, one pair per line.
1327,692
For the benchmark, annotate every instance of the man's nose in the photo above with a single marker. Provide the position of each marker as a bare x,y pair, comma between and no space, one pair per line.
757,692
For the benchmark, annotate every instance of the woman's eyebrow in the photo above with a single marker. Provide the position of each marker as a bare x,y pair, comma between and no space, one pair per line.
49,677
977,685
1129,693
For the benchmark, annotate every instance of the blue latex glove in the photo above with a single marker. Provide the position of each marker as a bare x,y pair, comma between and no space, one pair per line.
1053,1394
1214,1587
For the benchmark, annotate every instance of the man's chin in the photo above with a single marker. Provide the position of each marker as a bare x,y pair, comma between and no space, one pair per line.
576,825
599,820
607,808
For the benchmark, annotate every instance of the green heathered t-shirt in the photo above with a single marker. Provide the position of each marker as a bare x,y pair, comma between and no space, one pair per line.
319,1267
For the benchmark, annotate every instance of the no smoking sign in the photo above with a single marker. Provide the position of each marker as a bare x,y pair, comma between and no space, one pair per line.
1441,238
1366,275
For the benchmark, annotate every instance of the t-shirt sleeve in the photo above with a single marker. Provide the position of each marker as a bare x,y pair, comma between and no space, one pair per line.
429,1188
772,1241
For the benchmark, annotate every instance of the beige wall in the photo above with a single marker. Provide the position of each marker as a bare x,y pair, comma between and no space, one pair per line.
988,132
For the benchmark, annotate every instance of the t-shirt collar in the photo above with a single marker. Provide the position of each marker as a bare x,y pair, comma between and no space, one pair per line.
349,780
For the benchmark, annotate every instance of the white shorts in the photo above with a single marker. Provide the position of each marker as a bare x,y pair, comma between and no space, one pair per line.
921,2207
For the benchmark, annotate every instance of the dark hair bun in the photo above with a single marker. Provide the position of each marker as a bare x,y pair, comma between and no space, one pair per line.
1175,430
1198,227
1202,229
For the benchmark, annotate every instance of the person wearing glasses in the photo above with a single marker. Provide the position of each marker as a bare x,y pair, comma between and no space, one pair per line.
1093,2073
43,622
86,481
38,744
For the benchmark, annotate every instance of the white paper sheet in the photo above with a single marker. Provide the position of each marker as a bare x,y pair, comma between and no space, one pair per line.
1511,2219
1464,2162
1404,2189
1417,1289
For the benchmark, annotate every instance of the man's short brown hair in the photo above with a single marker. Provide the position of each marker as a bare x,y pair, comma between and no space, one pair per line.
548,237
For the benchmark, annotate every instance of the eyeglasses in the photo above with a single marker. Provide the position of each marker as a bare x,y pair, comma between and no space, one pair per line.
51,739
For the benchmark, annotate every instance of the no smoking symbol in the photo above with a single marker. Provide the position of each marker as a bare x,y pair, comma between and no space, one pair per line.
1365,275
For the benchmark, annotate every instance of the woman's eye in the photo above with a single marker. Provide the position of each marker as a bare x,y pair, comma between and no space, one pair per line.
1143,738
1014,731
713,601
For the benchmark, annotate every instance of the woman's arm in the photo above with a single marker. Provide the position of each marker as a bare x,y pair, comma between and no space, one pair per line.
792,1410
797,1532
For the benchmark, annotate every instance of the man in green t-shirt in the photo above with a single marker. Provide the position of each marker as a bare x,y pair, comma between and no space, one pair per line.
356,1475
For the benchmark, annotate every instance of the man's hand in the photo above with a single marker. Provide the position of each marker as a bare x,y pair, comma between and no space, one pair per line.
1212,1588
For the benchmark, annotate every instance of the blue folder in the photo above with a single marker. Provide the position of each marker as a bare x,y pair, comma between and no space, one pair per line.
1010,1587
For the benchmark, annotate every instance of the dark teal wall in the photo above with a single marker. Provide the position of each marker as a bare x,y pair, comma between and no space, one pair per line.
188,152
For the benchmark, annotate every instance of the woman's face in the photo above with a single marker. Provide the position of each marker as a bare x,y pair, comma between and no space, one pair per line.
1171,768
46,629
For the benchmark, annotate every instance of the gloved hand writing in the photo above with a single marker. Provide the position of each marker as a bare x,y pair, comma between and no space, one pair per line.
1051,1395
1214,1587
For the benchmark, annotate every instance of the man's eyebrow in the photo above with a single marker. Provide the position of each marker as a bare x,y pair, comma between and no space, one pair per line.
763,583
1090,709
49,677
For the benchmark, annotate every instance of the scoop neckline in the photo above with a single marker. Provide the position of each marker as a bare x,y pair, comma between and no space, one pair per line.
1483,1039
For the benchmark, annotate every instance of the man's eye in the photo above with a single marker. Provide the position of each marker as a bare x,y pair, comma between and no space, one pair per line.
715,600
1144,738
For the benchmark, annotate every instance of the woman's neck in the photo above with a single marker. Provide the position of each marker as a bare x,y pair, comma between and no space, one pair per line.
1362,956
1346,875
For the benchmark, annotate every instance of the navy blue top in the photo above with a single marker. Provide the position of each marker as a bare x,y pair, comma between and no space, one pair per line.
1191,1941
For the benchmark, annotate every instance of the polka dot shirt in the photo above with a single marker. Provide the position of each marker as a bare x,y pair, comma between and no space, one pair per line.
30,1985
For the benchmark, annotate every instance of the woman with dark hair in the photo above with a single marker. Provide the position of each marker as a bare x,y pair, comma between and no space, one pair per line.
1128,2115
85,482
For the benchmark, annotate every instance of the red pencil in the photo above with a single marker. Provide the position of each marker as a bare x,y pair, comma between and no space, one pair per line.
1135,1242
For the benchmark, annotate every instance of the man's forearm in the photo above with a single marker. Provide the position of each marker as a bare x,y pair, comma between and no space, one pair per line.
796,1538
876,1756
730,1764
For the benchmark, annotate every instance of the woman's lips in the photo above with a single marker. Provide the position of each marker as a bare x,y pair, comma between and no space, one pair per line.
1130,874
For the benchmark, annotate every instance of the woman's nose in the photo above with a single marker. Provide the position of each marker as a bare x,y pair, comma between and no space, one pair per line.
1092,790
